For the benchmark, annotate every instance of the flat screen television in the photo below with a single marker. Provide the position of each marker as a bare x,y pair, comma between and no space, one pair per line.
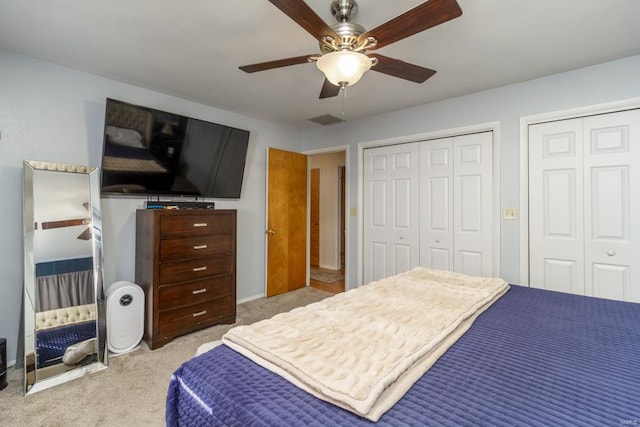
157,153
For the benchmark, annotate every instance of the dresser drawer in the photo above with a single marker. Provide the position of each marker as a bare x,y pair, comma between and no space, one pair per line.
196,225
193,269
187,319
172,296
195,247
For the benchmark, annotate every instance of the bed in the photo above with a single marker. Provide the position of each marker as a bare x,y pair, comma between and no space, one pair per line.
533,357
128,165
65,335
65,312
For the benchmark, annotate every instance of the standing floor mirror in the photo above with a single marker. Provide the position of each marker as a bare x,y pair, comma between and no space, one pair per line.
64,305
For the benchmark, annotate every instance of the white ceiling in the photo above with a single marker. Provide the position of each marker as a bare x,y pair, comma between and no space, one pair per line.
193,49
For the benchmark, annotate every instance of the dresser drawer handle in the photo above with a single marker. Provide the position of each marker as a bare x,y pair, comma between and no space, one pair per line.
200,224
199,291
199,268
196,247
200,313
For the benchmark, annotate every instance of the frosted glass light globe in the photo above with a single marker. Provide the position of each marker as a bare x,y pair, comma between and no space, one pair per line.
344,68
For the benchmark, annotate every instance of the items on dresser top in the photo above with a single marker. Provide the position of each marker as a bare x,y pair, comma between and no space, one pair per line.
185,262
171,204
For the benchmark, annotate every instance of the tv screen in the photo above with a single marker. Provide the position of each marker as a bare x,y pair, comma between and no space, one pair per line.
156,153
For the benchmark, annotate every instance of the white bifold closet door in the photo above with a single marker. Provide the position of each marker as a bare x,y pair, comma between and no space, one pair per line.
391,216
456,204
582,205
429,204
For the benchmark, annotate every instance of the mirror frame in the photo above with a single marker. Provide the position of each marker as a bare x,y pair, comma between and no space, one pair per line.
30,170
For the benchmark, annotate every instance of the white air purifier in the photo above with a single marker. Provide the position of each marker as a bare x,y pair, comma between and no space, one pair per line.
125,316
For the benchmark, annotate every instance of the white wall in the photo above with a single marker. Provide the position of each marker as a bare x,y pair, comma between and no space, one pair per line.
602,83
56,114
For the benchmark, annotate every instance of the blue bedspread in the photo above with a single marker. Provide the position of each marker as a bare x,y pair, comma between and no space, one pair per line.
52,343
534,358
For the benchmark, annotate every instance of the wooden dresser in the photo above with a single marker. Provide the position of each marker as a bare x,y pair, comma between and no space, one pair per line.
186,264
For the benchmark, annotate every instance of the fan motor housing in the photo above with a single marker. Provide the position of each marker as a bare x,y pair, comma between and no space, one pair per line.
343,10
348,33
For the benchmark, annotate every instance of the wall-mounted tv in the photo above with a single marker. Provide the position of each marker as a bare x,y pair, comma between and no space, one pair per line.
156,153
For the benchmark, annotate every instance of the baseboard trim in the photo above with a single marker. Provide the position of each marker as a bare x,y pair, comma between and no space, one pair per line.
251,298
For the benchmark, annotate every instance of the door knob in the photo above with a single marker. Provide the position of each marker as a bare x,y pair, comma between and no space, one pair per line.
611,252
271,231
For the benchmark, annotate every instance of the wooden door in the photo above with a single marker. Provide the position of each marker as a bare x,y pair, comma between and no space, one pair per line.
391,211
286,221
314,232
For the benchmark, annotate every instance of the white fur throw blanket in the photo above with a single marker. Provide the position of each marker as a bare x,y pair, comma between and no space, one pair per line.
363,349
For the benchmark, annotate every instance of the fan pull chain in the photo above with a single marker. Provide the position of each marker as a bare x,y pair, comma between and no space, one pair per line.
344,101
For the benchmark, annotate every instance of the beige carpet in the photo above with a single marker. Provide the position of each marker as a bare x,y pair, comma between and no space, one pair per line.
326,276
133,389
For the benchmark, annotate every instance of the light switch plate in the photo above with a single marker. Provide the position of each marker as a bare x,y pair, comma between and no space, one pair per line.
510,213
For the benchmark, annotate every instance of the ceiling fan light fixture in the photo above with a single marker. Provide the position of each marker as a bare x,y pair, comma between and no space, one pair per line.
344,67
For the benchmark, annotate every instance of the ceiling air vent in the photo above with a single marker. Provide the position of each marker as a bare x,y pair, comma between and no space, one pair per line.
326,119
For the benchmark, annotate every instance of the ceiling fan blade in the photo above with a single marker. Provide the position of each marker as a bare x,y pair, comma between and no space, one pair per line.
424,16
269,65
401,69
304,16
64,223
329,90
85,235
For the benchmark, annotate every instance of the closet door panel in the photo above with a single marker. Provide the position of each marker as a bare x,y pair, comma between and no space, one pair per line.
438,259
391,229
471,263
555,206
473,204
436,204
612,240
378,256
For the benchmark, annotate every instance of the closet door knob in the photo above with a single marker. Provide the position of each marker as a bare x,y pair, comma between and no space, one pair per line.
611,252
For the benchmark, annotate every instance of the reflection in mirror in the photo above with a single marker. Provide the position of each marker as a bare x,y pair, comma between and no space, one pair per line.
64,297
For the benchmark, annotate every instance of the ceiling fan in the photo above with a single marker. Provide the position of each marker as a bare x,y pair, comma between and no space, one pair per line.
343,45
85,235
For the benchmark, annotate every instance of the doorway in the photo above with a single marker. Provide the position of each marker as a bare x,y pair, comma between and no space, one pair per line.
327,221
